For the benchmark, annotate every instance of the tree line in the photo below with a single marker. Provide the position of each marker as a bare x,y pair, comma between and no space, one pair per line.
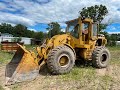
20,30
111,38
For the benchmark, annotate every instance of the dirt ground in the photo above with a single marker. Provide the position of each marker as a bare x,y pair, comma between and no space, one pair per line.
110,77
80,78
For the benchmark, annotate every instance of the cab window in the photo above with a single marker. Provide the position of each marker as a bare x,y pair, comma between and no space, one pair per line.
94,32
74,31
85,28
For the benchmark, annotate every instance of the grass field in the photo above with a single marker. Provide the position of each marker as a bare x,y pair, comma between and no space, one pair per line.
80,78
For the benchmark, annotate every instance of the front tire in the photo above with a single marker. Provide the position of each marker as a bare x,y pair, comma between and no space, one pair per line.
100,57
61,60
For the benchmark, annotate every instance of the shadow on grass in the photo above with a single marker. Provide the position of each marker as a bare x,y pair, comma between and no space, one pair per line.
83,63
44,70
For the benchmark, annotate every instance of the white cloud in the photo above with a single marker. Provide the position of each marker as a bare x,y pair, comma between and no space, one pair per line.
63,24
15,19
2,6
114,32
56,10
63,30
31,29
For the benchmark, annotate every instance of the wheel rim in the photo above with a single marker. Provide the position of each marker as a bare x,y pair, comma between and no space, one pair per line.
103,58
63,60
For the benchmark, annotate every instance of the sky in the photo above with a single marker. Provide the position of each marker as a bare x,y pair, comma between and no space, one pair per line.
36,14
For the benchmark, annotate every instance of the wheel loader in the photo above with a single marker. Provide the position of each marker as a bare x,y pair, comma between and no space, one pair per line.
81,41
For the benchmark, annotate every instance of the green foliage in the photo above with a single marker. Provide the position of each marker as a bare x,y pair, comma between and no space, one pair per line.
53,29
111,39
39,35
6,28
97,13
20,30
102,26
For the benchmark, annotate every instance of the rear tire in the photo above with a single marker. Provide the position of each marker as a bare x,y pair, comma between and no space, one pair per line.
60,60
100,57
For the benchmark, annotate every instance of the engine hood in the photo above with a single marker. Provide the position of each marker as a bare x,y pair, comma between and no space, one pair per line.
59,39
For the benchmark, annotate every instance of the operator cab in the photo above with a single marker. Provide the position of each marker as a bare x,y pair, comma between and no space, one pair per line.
84,29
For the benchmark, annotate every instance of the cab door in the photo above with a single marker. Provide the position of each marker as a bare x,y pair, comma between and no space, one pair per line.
86,32
74,33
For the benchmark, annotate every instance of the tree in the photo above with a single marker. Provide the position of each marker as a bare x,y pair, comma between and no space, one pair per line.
6,28
39,35
19,30
111,38
53,29
29,33
97,13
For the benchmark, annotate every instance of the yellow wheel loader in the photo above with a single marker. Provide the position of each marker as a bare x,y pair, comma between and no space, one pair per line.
60,52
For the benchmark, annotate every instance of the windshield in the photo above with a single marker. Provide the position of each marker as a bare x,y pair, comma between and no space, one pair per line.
73,28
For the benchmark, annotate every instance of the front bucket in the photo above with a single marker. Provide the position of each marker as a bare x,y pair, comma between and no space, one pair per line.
22,67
